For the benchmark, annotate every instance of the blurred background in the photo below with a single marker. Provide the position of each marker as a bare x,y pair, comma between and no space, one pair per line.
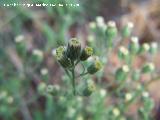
23,77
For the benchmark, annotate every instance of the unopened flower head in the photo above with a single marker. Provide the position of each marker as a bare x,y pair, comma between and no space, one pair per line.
116,112
130,24
145,94
124,50
134,39
92,25
10,99
3,94
38,52
19,39
80,117
122,73
128,96
153,48
111,32
93,58
44,71
73,49
154,45
148,67
71,112
62,58
89,88
94,67
111,24
146,46
86,53
103,92
100,22
125,68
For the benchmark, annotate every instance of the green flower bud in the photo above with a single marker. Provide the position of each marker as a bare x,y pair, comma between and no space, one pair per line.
121,73
123,53
20,45
92,25
111,30
148,103
148,68
89,88
73,49
134,45
53,89
116,112
128,97
37,55
62,58
86,53
153,48
127,29
136,75
94,67
144,48
100,22
41,88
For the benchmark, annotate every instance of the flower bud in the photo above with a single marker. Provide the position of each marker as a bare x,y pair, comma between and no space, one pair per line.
111,30
61,57
53,89
144,48
20,44
37,55
128,97
92,25
153,48
116,112
41,88
123,53
134,45
89,88
148,68
86,53
127,29
100,22
94,67
121,73
73,49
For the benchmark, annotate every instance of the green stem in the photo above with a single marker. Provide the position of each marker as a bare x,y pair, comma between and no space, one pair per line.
67,72
83,74
73,82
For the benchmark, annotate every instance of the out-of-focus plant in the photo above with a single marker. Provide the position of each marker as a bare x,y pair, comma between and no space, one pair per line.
124,82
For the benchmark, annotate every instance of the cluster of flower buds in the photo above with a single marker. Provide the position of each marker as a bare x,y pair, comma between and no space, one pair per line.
66,56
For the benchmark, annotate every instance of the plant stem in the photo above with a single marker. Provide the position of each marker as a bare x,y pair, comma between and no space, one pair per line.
73,82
